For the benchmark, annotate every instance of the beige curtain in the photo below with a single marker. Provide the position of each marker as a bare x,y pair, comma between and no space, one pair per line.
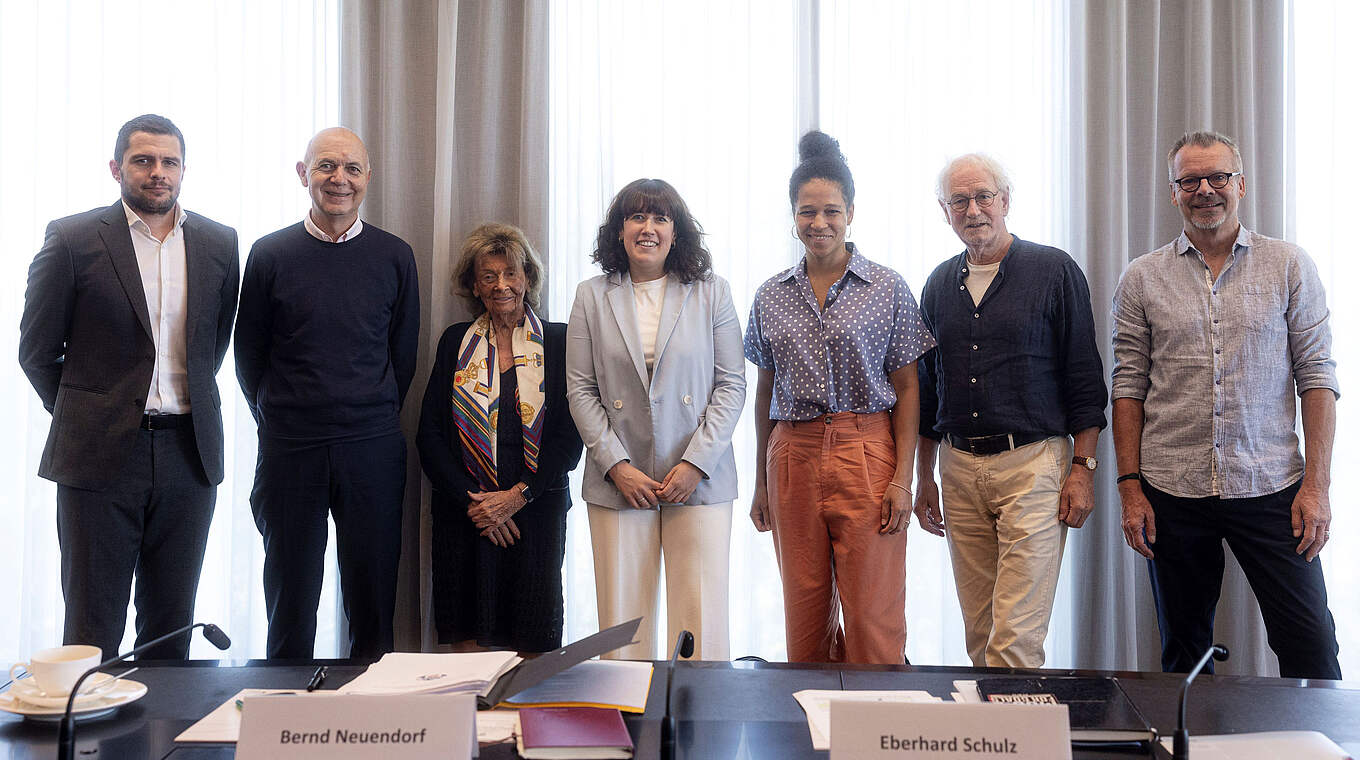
1148,71
451,98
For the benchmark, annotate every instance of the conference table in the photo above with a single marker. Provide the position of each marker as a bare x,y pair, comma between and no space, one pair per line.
724,709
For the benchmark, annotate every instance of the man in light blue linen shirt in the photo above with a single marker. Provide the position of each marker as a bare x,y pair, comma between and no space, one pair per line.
1214,333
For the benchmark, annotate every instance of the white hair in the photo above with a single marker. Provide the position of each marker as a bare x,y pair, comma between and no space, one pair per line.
980,160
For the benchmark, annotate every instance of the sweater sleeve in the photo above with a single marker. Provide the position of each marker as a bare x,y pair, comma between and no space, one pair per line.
404,333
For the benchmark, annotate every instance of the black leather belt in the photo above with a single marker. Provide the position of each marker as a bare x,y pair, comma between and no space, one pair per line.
987,445
165,421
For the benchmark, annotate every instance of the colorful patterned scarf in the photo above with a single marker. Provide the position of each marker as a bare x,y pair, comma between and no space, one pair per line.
477,394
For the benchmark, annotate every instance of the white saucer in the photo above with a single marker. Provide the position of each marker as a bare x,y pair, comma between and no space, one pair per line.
28,692
17,702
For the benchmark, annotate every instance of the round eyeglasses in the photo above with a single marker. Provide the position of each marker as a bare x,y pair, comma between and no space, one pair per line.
1217,180
960,202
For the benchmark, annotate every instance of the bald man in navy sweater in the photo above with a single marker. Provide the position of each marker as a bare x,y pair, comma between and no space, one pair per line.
325,350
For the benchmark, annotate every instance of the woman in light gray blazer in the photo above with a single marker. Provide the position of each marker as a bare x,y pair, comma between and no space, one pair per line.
656,382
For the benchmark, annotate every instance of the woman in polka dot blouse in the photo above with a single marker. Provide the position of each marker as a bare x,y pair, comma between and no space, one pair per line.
836,338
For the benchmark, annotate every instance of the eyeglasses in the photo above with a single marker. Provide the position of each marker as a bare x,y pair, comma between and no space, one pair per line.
1217,180
984,200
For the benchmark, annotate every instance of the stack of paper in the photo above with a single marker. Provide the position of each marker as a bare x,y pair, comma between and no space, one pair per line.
409,673
1266,745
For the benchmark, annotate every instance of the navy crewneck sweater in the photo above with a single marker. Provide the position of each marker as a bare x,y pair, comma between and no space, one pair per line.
326,336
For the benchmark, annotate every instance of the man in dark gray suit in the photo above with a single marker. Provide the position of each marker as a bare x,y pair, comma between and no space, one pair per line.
126,321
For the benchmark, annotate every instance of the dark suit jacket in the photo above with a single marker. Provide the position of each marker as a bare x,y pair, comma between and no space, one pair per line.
85,341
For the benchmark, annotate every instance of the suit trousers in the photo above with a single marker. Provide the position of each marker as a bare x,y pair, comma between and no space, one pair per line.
628,546
1006,546
361,485
1187,573
825,481
151,522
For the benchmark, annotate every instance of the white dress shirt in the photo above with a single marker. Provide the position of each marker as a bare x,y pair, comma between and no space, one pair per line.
320,234
165,280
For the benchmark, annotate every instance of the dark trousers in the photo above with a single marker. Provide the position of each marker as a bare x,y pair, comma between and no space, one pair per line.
151,522
361,484
1187,573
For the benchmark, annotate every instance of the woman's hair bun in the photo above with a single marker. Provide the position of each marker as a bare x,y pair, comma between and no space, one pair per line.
816,144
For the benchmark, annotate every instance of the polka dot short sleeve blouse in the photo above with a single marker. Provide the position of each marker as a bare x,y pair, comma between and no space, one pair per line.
836,358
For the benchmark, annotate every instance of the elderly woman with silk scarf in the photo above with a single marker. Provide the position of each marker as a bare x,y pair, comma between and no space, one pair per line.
496,441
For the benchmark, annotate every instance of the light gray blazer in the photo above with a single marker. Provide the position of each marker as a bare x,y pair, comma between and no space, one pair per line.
689,408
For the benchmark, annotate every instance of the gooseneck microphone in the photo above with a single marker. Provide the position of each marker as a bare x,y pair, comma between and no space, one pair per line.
66,744
1180,743
684,647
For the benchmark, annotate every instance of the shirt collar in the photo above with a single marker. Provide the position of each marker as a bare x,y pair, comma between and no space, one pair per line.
133,219
320,234
1183,244
858,265
962,267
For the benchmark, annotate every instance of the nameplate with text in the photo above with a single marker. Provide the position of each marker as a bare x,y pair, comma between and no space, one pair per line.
332,726
948,731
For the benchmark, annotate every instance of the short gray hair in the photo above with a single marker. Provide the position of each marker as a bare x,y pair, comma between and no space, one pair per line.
981,160
497,240
1201,138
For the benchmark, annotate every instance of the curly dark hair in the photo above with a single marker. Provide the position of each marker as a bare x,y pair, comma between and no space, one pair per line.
820,157
688,259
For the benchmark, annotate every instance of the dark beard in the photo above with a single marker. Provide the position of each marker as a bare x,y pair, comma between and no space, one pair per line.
143,205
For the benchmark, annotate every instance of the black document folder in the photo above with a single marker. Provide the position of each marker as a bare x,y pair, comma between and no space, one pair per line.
532,672
1097,708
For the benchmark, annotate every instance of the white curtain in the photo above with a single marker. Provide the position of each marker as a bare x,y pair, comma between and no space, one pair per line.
714,97
536,112
1327,110
247,83
1079,99
449,97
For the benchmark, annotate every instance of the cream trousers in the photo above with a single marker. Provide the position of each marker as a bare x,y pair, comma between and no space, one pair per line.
628,546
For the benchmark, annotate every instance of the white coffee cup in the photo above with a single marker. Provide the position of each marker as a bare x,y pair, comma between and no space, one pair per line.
55,670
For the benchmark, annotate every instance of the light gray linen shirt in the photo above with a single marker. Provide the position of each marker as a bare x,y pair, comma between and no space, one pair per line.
1217,363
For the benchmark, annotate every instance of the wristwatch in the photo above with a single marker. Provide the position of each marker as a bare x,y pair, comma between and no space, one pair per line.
524,492
1089,463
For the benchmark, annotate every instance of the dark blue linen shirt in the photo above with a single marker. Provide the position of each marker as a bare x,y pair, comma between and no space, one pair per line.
1024,360
835,358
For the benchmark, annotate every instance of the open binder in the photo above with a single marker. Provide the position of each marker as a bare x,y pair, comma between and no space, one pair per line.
532,672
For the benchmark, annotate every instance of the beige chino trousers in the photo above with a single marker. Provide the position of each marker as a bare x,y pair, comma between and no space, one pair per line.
1006,546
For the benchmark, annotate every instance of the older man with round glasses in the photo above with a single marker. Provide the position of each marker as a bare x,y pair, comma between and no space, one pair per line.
1014,389
1213,334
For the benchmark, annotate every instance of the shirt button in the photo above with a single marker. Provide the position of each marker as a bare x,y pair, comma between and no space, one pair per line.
975,414
975,347
618,403
961,287
976,315
687,399
1218,350
972,379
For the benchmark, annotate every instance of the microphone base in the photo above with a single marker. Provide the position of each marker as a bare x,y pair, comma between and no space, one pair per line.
1180,744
